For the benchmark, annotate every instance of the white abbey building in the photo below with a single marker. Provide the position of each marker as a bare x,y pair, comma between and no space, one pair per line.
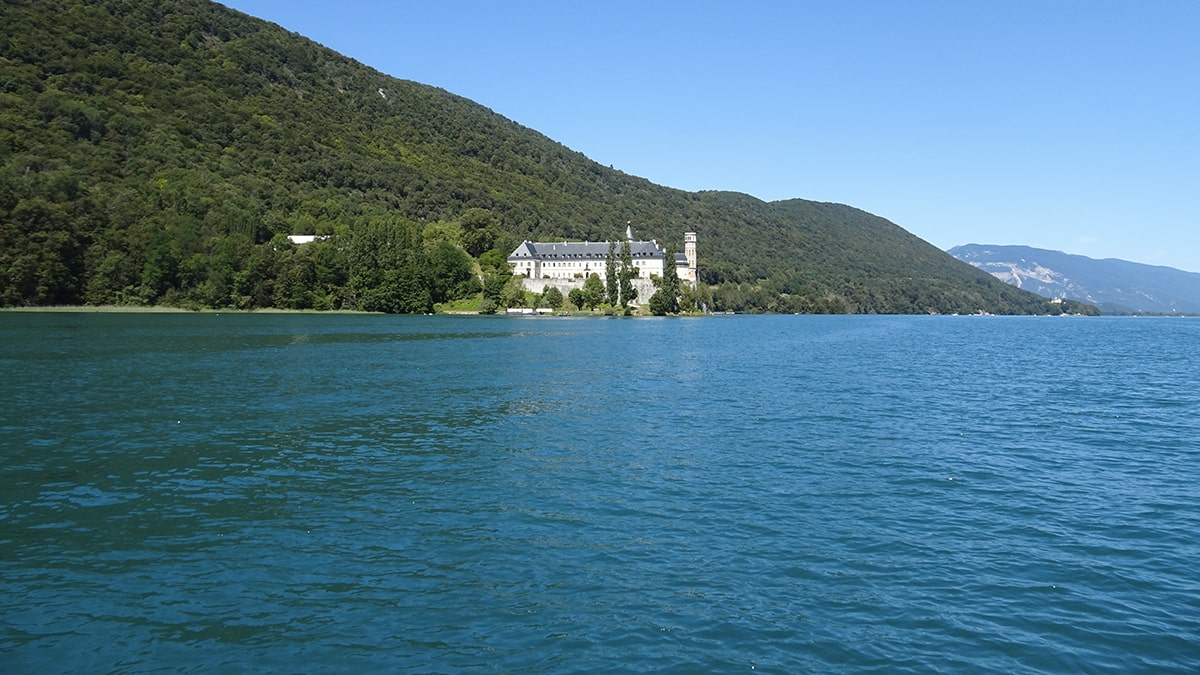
574,262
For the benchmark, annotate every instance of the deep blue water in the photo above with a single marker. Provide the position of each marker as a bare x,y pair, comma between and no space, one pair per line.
229,492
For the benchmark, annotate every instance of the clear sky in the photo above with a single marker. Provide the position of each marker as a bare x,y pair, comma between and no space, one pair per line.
1064,124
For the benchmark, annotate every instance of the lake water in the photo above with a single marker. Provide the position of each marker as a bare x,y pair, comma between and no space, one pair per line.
230,492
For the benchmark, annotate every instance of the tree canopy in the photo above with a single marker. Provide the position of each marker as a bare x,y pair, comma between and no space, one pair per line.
665,300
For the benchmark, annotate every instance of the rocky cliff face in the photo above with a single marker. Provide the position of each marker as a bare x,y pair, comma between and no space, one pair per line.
1115,286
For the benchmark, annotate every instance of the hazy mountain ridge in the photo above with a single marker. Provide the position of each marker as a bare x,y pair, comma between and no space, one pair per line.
154,151
1115,286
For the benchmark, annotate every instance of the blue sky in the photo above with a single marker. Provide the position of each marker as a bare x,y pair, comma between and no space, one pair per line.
1065,124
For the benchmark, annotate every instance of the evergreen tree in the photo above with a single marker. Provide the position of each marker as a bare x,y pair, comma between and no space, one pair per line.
670,279
610,274
666,299
626,273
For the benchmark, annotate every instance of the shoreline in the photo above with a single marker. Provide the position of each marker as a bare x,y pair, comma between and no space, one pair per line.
159,309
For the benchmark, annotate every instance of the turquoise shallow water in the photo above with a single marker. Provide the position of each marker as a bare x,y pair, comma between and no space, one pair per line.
206,492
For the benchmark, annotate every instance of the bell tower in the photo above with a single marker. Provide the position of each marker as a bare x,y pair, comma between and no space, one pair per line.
689,251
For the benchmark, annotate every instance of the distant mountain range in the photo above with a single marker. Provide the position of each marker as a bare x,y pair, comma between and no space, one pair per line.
1114,286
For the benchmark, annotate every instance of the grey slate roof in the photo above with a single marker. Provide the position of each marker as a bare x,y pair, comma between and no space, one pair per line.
583,250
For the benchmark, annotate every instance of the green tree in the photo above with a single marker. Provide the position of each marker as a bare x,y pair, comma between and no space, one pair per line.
332,273
611,274
450,273
387,267
493,287
480,230
442,231
576,296
626,273
296,281
513,294
400,291
704,298
660,303
496,261
666,299
593,292
108,275
687,298
553,298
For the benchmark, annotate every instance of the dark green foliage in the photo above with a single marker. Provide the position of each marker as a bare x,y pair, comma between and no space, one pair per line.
513,293
660,303
481,230
553,298
576,297
611,289
493,288
494,261
450,274
387,269
154,151
625,275
665,300
593,292
688,299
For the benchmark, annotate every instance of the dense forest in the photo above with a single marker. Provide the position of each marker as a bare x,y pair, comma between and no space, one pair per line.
160,152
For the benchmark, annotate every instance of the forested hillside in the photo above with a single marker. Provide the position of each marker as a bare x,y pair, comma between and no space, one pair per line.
159,152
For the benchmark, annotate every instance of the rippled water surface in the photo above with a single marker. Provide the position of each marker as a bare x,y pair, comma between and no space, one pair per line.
211,492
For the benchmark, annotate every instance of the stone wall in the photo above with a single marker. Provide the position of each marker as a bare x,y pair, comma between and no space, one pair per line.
645,287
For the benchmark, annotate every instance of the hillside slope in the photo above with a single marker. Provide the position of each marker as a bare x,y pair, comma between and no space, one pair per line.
153,151
1115,286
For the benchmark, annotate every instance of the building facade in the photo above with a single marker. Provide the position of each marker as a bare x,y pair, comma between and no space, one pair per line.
573,261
